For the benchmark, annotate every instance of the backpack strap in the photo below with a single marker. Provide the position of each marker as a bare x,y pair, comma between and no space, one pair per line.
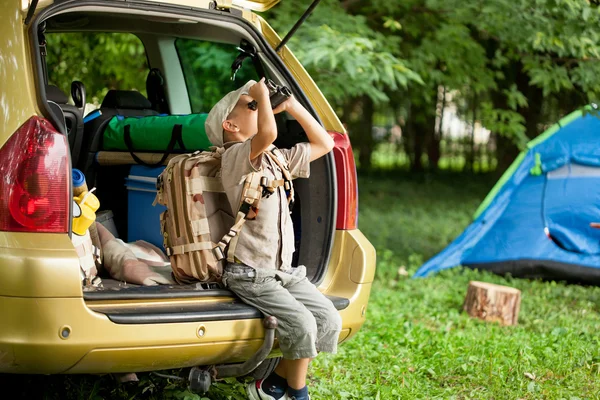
228,243
250,199
277,157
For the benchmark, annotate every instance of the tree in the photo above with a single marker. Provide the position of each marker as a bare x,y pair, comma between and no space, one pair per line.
537,50
516,60
102,61
354,65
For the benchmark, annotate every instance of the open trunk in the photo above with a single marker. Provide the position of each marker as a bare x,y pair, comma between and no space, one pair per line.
160,27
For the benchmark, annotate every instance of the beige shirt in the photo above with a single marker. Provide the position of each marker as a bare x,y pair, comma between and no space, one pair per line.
268,240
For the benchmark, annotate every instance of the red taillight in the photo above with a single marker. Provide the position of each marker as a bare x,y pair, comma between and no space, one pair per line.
34,186
347,185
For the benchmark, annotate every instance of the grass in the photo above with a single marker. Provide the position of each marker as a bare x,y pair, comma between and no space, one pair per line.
416,343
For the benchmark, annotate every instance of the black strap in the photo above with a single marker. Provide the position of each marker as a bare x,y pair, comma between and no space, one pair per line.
156,91
247,50
42,49
31,11
176,137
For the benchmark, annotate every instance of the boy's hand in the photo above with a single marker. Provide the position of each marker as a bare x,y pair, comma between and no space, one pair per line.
259,91
288,105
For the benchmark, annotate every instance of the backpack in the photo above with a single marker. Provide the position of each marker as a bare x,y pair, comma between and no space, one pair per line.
199,228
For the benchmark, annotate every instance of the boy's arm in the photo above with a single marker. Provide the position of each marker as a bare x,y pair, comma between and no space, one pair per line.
267,128
320,141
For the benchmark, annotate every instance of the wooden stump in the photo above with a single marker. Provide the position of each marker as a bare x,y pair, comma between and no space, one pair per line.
491,302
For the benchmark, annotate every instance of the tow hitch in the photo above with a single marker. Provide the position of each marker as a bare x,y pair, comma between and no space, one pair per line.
200,378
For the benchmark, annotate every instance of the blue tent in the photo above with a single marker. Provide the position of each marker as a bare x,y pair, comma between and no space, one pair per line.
536,221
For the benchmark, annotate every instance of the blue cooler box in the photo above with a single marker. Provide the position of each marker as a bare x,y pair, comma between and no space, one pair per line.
143,219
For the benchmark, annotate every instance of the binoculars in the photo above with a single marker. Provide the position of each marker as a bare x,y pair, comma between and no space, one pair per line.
277,94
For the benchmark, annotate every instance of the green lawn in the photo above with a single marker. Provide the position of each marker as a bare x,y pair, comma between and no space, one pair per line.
417,344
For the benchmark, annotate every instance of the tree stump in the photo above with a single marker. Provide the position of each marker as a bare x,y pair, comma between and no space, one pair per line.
491,302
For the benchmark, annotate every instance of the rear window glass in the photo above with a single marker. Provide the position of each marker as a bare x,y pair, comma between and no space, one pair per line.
207,71
102,61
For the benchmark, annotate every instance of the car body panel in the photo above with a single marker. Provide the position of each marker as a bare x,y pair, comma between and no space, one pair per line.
254,5
17,94
31,342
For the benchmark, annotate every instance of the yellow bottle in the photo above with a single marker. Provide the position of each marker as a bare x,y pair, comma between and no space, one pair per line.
83,217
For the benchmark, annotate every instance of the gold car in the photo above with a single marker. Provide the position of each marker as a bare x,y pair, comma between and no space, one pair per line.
49,322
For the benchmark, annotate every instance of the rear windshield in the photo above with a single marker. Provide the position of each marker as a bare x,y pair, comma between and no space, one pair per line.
207,71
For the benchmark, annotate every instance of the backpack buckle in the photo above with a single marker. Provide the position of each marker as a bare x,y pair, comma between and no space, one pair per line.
218,253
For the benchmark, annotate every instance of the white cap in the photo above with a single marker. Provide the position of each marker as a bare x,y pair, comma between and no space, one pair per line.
220,112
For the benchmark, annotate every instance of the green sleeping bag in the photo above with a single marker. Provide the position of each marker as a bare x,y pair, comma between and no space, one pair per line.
160,134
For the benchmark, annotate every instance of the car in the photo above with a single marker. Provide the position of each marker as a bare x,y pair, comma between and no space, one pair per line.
51,323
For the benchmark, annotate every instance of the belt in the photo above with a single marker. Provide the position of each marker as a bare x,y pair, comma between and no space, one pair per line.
240,269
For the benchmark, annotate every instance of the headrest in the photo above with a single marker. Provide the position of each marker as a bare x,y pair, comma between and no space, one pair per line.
56,95
128,99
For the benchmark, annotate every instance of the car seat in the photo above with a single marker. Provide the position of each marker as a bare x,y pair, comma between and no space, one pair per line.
155,87
72,116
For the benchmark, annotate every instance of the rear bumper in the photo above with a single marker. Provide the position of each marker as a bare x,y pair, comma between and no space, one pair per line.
33,329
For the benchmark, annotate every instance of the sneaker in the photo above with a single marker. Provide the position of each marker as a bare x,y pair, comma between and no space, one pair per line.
255,392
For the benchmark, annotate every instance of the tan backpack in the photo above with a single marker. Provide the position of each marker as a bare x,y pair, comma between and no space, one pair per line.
199,229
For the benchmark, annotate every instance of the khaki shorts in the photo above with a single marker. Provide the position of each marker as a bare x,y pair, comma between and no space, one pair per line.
308,322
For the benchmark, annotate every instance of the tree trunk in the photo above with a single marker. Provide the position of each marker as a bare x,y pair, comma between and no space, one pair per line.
470,154
532,114
433,148
418,136
422,124
494,303
357,115
365,135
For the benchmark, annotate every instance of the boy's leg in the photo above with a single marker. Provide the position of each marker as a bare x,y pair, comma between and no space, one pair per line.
294,371
297,328
329,322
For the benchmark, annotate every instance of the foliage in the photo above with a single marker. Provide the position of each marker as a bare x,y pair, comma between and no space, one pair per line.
102,61
207,70
343,54
516,65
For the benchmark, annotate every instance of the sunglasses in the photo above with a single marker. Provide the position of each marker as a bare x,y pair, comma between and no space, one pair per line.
253,105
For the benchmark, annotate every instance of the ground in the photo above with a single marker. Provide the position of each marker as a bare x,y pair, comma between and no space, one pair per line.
416,343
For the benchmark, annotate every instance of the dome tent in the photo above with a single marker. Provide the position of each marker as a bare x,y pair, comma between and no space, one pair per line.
537,222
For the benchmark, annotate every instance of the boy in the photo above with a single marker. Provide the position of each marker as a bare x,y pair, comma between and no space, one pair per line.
262,274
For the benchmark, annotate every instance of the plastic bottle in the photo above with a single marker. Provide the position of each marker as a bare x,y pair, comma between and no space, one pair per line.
79,190
79,184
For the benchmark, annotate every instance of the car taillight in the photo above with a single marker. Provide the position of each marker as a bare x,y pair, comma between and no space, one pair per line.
34,186
347,185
